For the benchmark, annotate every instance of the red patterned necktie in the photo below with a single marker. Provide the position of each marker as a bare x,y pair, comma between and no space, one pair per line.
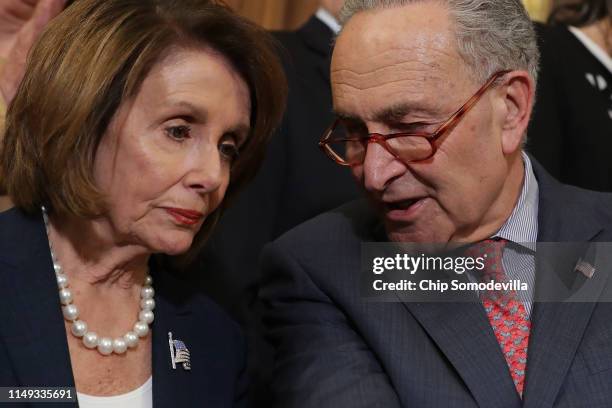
506,313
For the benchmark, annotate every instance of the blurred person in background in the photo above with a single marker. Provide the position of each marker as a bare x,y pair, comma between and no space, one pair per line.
21,22
133,121
572,118
296,182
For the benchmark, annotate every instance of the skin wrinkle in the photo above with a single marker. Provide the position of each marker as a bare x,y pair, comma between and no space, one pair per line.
411,72
410,94
140,168
471,184
424,63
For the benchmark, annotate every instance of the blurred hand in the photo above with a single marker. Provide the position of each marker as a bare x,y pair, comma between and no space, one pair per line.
21,22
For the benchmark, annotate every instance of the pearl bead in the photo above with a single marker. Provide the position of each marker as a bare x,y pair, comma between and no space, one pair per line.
131,339
147,292
141,329
71,312
57,269
146,316
62,281
79,328
105,346
90,340
119,345
147,304
65,296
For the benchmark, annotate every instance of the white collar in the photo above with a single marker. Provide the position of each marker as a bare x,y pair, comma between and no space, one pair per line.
329,20
593,47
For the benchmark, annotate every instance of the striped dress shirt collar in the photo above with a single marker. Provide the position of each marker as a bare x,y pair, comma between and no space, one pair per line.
522,225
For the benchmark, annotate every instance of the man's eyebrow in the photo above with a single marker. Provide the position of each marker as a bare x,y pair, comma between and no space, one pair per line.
397,112
345,116
390,114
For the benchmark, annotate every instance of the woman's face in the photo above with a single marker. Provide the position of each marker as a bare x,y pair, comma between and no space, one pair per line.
164,163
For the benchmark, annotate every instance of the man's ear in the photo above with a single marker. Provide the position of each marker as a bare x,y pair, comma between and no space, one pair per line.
518,92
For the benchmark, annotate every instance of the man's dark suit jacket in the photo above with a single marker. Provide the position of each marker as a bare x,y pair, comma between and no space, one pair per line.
334,349
34,349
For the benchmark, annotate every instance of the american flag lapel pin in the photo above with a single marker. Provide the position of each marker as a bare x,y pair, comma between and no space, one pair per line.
179,353
585,268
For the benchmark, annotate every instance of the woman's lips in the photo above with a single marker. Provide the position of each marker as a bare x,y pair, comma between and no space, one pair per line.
183,216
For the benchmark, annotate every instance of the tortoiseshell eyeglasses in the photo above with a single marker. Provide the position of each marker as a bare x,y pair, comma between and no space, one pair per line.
346,144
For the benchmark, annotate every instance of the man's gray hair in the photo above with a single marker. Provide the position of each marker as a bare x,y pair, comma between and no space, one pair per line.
492,35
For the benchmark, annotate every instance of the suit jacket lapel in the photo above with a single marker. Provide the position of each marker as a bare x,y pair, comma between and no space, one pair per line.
32,321
173,313
557,328
318,37
171,387
463,333
32,325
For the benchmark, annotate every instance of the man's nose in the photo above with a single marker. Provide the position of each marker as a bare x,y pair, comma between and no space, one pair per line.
380,167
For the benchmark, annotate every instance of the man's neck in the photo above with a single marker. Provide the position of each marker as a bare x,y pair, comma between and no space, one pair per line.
502,207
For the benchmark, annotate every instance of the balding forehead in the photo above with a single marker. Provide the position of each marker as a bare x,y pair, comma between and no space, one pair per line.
411,27
414,41
398,56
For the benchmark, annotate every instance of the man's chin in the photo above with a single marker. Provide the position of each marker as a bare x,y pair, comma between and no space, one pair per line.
416,237
413,234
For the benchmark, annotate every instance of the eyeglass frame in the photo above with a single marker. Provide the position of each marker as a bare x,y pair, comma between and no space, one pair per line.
381,139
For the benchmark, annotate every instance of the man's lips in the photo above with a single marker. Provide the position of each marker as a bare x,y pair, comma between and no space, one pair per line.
184,216
403,210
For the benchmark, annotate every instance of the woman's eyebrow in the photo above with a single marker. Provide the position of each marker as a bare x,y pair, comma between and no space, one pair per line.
199,113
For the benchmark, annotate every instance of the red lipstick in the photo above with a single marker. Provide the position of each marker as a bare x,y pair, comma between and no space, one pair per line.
183,216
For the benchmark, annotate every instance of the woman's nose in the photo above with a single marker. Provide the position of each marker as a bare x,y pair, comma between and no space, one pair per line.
207,169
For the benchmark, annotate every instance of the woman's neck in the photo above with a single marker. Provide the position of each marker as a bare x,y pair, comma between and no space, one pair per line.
88,251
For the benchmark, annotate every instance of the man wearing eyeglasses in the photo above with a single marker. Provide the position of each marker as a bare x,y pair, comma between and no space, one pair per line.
433,99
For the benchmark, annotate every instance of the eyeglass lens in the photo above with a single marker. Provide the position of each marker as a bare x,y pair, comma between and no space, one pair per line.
352,150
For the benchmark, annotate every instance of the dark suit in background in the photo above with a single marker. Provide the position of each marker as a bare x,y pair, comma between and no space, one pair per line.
336,349
296,182
34,349
571,127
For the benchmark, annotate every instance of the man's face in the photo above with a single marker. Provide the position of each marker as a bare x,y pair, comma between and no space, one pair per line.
398,69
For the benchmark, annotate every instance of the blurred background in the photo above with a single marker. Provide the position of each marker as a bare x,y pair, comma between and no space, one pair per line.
290,14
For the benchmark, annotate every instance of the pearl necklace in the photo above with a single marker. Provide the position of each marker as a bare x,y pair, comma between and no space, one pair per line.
91,340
